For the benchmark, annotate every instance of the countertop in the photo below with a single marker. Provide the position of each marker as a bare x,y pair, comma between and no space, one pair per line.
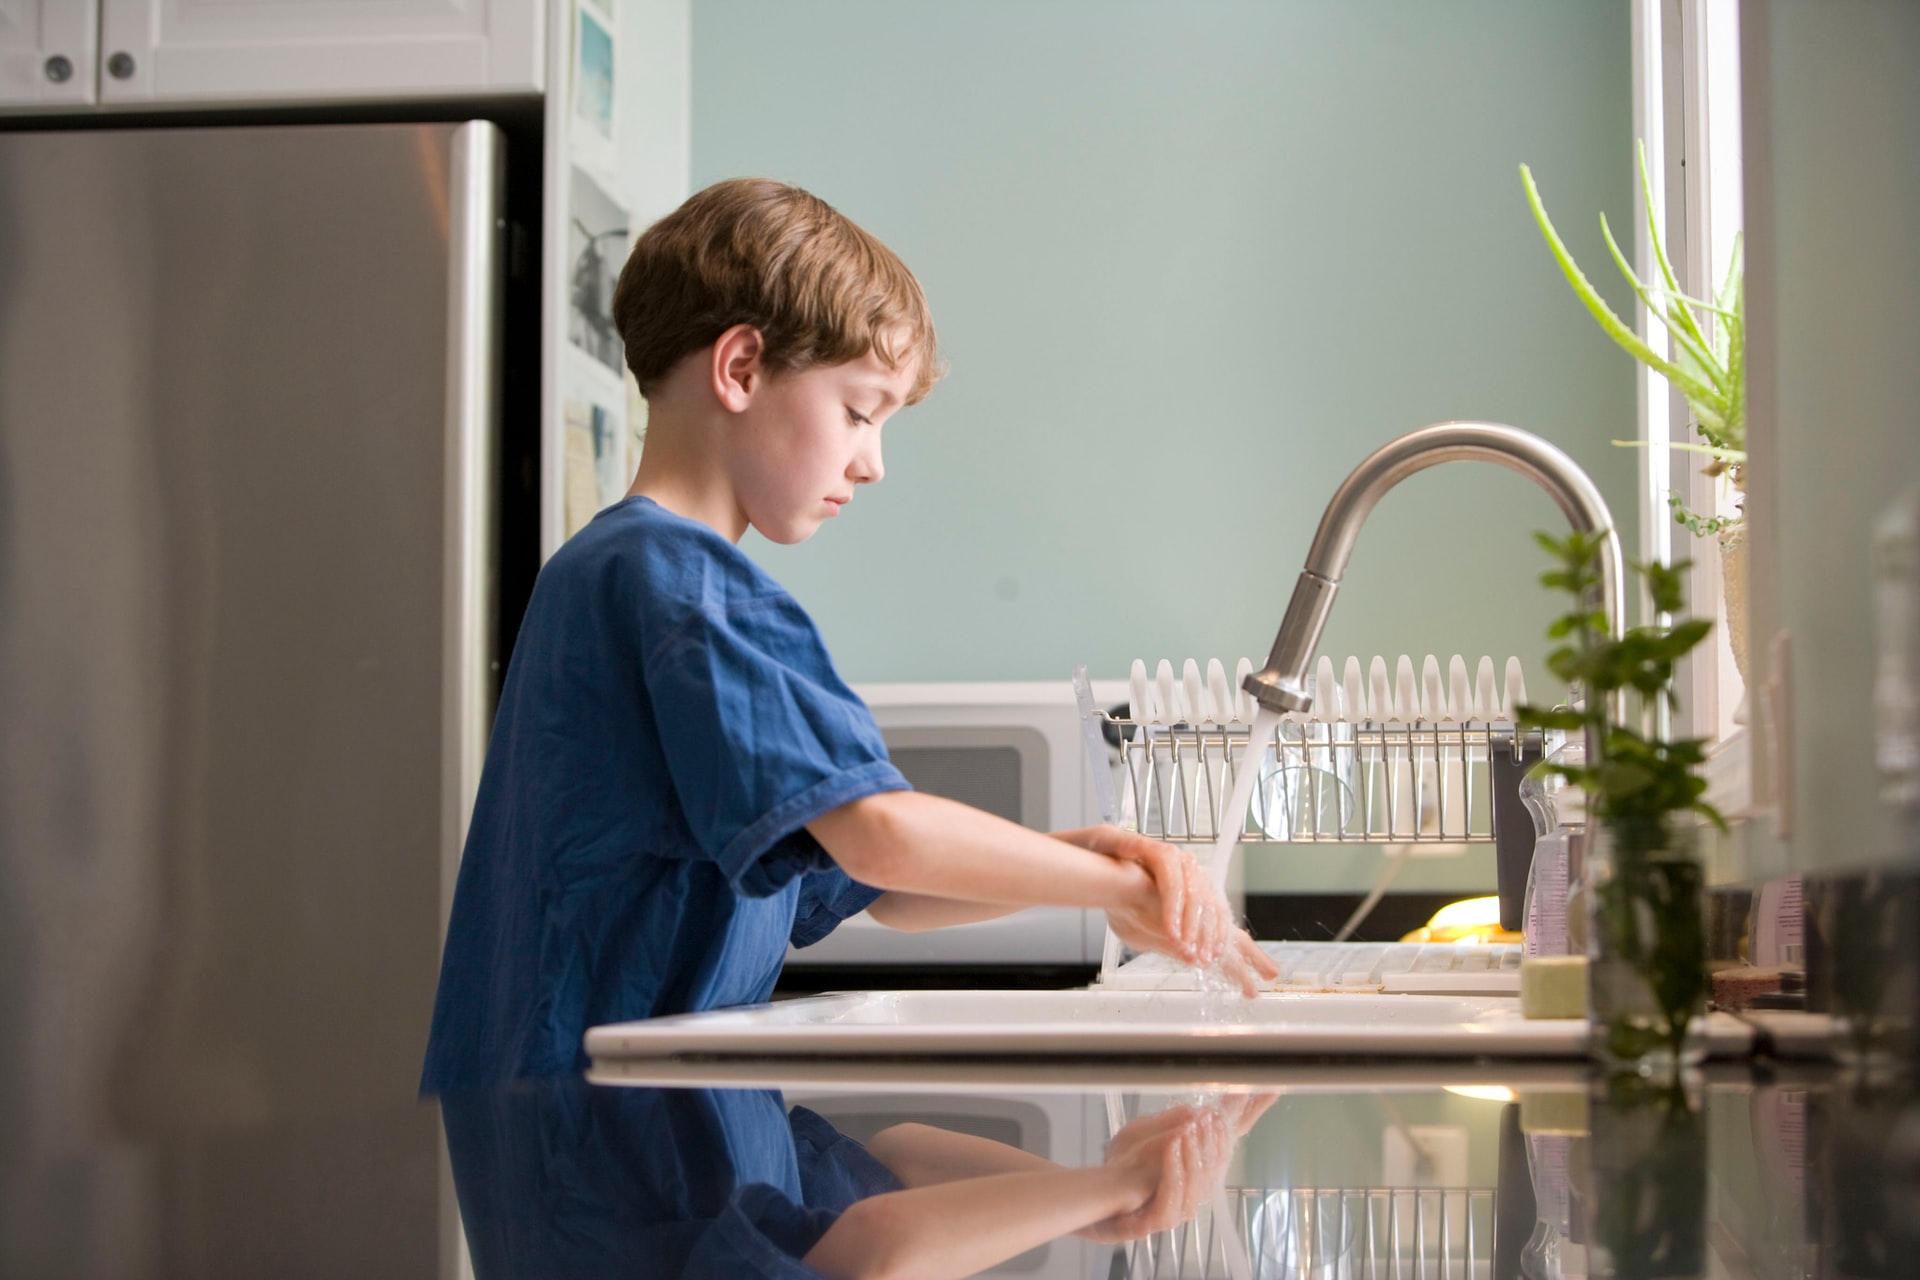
1336,1169
1331,1170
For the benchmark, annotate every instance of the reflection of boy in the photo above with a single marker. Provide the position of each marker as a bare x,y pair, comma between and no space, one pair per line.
679,783
559,1178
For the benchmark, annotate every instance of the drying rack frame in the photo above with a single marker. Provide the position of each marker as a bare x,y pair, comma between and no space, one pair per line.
1325,782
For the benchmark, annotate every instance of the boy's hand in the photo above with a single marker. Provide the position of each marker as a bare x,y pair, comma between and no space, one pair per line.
1201,927
1204,931
1179,912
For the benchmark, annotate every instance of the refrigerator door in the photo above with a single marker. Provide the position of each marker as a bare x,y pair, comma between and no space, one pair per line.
245,425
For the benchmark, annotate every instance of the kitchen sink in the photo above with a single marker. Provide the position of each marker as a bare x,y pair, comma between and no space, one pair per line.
1105,1023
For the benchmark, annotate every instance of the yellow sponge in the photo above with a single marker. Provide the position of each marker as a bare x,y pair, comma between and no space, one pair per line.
1553,987
1553,1111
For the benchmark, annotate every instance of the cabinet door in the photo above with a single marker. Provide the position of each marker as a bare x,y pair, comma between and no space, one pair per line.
257,51
47,52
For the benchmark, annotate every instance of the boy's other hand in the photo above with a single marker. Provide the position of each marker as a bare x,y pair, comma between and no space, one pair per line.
1196,923
1180,913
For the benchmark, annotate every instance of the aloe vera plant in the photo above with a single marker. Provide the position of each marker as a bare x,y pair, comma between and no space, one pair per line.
1708,367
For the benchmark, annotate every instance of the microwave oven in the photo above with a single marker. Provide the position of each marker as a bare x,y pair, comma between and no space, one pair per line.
1016,749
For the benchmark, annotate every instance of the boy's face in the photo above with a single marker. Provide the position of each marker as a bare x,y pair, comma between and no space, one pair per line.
808,439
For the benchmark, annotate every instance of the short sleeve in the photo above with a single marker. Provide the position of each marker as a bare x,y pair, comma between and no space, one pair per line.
828,895
835,1171
761,736
759,1234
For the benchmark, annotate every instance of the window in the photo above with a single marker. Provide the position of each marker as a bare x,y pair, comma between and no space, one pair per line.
1687,110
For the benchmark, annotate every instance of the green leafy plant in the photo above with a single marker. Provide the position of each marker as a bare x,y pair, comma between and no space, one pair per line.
1642,787
1708,339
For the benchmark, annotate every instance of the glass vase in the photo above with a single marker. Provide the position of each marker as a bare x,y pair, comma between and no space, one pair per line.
1647,952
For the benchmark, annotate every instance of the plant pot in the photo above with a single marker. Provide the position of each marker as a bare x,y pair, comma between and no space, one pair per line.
1647,953
1733,590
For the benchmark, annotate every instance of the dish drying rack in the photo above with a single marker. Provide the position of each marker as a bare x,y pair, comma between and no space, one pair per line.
1437,1233
1371,763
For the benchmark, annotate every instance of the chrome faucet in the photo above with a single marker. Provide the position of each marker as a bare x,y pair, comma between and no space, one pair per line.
1284,684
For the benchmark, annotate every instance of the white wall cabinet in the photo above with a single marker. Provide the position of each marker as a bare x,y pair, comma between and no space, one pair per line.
64,53
48,52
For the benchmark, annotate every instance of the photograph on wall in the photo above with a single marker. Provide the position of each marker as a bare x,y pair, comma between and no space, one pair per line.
593,84
598,470
596,250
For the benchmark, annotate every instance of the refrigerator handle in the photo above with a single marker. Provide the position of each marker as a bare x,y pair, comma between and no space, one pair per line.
476,233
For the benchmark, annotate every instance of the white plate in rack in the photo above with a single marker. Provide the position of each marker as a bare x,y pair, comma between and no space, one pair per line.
1103,1023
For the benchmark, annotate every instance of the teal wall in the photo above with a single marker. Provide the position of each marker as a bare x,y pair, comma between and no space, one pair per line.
1832,106
1191,262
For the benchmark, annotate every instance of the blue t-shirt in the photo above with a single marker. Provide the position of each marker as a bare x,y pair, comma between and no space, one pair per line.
670,723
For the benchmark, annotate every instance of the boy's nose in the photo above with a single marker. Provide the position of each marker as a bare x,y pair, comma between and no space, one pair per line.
867,467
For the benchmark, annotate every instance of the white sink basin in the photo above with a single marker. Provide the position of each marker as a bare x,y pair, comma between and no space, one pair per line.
1108,1023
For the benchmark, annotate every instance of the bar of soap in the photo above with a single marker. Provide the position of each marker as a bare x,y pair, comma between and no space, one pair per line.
1553,987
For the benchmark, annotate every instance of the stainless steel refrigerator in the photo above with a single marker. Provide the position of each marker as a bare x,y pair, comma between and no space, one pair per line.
251,383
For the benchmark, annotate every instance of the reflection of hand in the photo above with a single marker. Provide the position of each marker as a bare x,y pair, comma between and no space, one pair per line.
1174,1158
1180,912
1243,1110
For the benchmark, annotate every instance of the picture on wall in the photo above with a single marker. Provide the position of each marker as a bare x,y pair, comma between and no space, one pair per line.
596,250
593,76
597,460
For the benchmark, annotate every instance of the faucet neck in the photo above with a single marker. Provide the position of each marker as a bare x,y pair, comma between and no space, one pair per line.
1282,684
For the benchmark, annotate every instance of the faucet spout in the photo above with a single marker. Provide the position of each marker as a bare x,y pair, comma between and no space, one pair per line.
1284,683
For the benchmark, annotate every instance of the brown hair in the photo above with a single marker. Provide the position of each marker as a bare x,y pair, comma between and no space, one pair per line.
820,290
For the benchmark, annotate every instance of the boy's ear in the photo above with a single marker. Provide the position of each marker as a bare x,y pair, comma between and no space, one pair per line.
736,367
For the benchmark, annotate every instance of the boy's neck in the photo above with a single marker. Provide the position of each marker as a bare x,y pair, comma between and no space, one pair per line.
681,476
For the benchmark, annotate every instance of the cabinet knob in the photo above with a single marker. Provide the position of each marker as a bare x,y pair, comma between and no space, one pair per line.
58,69
120,66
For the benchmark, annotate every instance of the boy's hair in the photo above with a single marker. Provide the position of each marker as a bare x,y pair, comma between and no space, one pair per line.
820,290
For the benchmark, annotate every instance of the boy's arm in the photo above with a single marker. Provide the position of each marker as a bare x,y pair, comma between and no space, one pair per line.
1156,897
915,912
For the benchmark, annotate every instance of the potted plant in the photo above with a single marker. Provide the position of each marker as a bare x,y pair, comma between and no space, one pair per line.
1646,937
1707,368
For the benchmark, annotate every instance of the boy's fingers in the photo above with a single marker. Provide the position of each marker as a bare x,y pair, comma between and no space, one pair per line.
1177,907
1194,927
1263,964
1236,969
1186,917
1219,918
1247,965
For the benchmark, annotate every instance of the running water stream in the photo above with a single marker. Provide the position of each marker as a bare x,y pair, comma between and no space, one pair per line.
1233,821
1213,979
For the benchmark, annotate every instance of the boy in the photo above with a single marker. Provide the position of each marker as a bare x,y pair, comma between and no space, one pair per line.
678,781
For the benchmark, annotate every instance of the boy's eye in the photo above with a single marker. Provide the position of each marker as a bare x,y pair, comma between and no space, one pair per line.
857,418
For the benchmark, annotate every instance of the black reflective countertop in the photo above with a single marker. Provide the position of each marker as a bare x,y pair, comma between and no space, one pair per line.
1333,1170
1054,1169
